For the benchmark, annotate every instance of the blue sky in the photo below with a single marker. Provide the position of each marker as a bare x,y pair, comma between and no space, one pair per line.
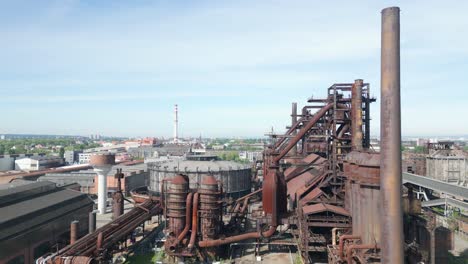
233,67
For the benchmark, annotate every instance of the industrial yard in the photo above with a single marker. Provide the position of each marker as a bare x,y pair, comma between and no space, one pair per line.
324,189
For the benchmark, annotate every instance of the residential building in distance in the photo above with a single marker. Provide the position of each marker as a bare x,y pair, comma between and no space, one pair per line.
251,156
71,156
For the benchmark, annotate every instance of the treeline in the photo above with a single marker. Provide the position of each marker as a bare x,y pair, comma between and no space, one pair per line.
42,145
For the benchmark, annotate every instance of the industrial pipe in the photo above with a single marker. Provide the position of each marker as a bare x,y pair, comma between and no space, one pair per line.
244,206
73,232
92,222
390,136
237,208
302,132
100,240
187,220
349,250
334,231
252,235
194,221
341,243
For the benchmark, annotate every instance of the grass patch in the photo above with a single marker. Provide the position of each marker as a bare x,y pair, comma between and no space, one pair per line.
142,259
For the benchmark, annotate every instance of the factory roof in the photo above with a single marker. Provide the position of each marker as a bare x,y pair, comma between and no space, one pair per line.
46,158
193,165
322,207
23,207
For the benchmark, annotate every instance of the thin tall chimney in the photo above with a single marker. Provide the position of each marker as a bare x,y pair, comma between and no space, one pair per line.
176,125
390,136
293,122
356,115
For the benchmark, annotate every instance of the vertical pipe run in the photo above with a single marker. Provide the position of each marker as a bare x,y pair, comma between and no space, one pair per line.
73,232
390,136
102,192
293,122
92,222
356,115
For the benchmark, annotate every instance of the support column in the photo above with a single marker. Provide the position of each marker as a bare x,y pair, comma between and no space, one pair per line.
102,192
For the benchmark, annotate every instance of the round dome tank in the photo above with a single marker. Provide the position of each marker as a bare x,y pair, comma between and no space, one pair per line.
234,177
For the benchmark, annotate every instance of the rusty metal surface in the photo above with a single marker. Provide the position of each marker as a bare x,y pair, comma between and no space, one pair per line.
117,197
390,136
102,159
299,181
176,204
356,115
193,235
314,194
93,245
322,207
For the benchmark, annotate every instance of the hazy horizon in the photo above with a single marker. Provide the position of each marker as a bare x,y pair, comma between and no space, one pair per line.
117,68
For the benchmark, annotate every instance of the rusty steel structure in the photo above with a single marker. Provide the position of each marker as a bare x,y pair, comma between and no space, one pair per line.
321,182
98,246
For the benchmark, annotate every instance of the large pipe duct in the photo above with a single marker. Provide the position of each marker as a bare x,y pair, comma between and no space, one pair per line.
390,136
252,235
188,209
193,235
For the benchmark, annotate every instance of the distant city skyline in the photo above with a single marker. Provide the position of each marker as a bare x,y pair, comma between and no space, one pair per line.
117,68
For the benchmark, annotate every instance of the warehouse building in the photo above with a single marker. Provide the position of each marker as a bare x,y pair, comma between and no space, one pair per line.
38,163
35,219
135,175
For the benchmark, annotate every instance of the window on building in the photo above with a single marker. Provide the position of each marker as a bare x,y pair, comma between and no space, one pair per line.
17,260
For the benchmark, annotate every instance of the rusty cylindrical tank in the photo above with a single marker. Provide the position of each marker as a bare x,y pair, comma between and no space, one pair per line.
390,136
362,170
210,210
176,204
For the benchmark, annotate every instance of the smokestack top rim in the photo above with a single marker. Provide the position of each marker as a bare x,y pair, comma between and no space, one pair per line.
390,9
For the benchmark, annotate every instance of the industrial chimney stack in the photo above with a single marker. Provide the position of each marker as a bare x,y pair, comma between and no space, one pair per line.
176,133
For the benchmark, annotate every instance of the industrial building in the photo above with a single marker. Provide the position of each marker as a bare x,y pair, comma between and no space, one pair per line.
7,162
441,161
135,175
72,156
35,219
447,164
36,163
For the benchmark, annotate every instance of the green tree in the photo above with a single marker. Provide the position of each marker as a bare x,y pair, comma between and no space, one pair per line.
61,152
419,149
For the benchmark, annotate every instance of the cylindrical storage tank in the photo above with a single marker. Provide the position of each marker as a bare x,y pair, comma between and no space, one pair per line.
176,204
210,209
235,178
